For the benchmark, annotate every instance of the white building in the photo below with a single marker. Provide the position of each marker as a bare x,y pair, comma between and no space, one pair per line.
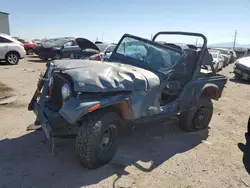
4,23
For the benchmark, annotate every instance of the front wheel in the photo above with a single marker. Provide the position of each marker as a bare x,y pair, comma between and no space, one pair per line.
197,118
12,58
96,142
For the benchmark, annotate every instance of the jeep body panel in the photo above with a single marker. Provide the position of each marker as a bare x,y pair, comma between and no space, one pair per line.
99,85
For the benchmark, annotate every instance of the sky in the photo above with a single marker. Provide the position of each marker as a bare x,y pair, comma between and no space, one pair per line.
108,20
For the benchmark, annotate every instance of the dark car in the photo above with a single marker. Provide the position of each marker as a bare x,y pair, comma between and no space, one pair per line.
93,51
143,81
58,49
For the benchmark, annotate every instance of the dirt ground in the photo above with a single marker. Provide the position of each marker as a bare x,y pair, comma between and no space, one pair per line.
153,155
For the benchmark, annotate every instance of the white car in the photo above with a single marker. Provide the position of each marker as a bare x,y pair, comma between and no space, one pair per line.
242,68
218,59
11,50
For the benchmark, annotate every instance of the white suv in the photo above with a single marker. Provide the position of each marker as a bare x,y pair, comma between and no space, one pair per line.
11,50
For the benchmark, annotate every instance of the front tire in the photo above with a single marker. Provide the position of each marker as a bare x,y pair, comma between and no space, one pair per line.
96,142
197,118
12,58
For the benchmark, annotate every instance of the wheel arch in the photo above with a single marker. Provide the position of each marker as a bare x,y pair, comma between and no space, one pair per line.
76,109
12,51
211,91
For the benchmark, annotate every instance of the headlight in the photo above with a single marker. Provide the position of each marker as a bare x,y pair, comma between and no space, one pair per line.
66,92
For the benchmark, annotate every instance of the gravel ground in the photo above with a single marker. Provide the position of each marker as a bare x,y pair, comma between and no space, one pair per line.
159,155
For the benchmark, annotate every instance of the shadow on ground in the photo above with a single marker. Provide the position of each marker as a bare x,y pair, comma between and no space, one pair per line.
239,81
33,60
246,149
32,56
27,161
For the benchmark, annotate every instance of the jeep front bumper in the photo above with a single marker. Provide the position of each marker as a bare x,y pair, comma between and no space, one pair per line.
43,121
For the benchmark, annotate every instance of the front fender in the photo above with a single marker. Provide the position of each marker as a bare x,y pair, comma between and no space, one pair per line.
75,108
211,87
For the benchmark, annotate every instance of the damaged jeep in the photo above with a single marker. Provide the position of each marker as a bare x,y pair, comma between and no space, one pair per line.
143,81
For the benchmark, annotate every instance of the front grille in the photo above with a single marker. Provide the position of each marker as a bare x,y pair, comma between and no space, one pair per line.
56,97
242,68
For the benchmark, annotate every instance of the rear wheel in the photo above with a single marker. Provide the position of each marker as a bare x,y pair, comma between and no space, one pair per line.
237,76
197,118
30,51
12,58
96,142
57,56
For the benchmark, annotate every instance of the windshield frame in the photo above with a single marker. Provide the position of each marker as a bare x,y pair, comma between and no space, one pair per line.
117,57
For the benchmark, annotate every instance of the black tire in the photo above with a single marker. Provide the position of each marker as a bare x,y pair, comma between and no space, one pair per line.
43,58
12,58
58,55
30,51
197,118
88,145
237,76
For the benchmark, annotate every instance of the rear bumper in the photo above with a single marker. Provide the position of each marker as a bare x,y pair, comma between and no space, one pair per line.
22,54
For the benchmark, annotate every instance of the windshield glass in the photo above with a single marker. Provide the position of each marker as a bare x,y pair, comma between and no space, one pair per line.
147,54
59,41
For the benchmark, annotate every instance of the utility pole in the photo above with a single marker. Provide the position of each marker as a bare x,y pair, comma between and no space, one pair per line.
235,35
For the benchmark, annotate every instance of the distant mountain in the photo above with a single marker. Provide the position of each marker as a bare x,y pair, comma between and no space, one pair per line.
229,45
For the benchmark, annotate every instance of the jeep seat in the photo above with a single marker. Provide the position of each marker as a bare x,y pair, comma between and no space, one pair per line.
175,85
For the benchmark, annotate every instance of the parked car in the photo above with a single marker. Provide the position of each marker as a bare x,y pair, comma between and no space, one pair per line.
242,68
227,54
92,99
28,45
92,51
11,50
242,52
218,60
39,44
87,47
57,48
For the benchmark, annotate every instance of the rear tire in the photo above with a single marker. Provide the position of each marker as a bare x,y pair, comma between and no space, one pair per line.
237,76
57,56
12,58
197,118
96,142
30,51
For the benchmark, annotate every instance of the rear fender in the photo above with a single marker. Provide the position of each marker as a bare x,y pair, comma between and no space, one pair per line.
210,87
75,108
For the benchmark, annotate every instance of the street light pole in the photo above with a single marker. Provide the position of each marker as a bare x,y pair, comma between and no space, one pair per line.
235,34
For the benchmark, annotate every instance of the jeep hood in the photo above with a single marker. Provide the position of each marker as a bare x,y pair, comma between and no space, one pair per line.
97,76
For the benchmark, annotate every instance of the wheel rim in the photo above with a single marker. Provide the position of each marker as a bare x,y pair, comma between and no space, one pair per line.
107,140
12,58
201,118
